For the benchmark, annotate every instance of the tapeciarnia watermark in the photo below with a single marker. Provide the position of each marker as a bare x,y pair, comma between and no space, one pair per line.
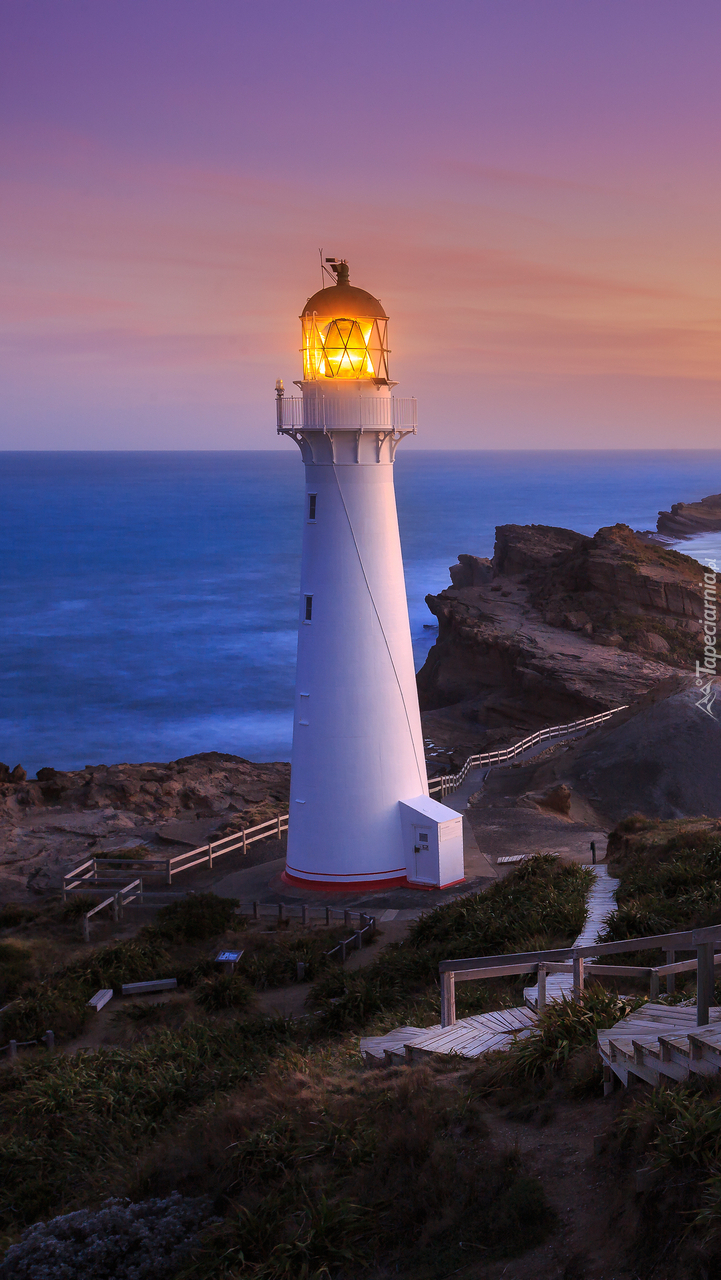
706,672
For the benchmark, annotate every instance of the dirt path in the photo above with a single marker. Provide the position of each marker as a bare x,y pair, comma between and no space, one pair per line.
556,1144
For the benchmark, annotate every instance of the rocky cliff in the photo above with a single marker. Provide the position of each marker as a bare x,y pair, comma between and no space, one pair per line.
688,518
555,627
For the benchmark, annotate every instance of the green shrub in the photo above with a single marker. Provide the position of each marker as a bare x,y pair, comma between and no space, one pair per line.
66,1121
197,918
271,959
77,905
41,1009
223,991
539,905
16,969
15,913
564,1027
141,958
668,886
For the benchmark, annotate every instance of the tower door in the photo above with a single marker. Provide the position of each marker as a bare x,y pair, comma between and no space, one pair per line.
424,858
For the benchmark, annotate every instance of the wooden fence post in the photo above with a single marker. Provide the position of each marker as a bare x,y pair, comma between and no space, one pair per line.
705,978
300,971
245,841
256,911
86,928
327,915
210,854
49,1039
304,913
342,951
346,917
279,826
116,909
448,999
169,873
541,1001
358,939
13,1048
670,977
280,913
578,981
654,986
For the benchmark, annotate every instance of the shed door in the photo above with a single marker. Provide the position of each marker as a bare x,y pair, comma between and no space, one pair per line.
425,862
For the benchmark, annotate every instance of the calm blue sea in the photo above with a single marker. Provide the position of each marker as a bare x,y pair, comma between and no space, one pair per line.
149,600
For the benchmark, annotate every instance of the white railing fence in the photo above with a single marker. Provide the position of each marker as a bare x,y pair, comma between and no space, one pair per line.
573,960
106,870
98,871
451,781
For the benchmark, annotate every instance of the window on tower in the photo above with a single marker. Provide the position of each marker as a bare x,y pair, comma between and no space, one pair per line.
308,608
311,505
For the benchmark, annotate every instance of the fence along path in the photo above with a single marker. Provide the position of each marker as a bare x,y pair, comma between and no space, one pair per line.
94,870
450,782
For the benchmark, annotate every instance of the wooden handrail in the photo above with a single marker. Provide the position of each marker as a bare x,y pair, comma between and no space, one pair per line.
702,941
450,782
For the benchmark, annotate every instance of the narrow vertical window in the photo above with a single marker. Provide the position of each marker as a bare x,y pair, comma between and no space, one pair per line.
311,505
308,608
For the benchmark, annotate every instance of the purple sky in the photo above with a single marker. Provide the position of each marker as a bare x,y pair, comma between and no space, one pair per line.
533,189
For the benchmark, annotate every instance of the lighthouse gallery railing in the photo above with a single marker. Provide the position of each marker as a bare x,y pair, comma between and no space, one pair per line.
352,412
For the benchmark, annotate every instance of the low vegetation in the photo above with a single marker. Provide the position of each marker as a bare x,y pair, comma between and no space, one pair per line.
312,1165
670,879
541,905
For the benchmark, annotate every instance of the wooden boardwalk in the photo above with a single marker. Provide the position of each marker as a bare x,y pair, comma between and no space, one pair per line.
467,1038
661,1042
487,1032
601,903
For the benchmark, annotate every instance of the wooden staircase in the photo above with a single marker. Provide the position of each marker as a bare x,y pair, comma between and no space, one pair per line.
467,1038
660,1042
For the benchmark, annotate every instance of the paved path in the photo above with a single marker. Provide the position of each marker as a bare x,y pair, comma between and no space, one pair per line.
601,903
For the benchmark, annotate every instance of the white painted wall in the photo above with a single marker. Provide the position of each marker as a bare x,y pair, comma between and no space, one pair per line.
357,741
439,861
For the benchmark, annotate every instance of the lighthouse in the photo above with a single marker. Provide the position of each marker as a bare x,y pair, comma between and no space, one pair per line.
360,813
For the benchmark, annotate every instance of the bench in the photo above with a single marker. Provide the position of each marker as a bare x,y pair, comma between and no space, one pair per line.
140,988
100,999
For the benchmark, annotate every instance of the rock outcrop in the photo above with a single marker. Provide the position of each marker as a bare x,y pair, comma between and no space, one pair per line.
557,626
685,519
48,823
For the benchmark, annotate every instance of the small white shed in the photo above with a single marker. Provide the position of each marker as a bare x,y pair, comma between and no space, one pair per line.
433,842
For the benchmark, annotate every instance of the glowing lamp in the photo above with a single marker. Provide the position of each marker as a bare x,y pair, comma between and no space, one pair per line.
345,335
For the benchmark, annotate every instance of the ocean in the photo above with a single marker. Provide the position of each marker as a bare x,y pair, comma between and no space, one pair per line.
149,601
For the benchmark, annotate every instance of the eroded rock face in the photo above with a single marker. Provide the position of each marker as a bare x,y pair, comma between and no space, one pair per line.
688,518
48,824
565,627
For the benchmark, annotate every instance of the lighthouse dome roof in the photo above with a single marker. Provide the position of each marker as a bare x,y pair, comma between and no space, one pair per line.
344,300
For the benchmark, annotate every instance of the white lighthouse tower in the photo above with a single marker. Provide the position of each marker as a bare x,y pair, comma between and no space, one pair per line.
357,741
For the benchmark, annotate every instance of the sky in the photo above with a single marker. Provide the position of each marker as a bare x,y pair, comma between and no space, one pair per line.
532,187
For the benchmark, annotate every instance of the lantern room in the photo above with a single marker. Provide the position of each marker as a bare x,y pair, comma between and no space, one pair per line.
345,334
